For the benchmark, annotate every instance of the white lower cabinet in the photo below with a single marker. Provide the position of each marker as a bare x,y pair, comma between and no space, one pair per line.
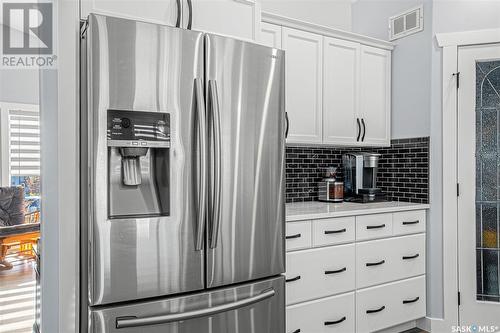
320,272
372,263
331,314
390,304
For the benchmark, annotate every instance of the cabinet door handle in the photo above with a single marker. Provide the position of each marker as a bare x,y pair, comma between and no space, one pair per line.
328,323
376,310
411,257
359,129
328,232
190,19
375,226
293,279
411,222
407,301
287,125
368,264
364,129
293,236
336,271
296,331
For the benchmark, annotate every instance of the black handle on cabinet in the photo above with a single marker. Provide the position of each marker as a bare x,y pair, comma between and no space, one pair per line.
376,310
411,257
178,21
411,222
328,232
293,236
336,271
190,19
375,226
359,129
407,301
328,323
293,279
368,264
364,129
287,124
296,331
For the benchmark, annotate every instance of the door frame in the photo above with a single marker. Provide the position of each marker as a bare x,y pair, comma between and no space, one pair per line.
450,42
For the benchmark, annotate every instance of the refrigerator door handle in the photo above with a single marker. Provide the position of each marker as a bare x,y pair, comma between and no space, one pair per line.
214,100
202,121
130,321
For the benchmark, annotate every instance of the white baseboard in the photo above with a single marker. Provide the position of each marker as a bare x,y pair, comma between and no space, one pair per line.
399,328
433,325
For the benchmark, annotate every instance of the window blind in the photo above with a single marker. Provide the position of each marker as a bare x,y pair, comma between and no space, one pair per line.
24,142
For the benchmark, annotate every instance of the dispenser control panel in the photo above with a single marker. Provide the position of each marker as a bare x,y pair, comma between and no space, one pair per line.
138,129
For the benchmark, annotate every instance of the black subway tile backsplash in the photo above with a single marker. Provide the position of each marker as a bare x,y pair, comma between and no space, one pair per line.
403,169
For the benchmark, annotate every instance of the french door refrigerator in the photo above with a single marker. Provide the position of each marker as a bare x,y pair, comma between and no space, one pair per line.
182,158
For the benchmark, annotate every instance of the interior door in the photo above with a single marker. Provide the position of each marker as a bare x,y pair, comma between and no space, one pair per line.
245,107
478,173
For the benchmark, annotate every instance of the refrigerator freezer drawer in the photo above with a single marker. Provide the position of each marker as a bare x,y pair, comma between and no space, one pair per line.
250,308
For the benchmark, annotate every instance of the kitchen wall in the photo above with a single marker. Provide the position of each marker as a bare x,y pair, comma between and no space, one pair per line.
330,13
19,86
403,169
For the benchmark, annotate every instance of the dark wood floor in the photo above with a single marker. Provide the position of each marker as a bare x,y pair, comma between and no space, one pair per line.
17,298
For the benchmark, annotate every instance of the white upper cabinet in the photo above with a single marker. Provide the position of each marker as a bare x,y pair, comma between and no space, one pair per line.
270,35
235,18
303,85
375,108
340,91
161,12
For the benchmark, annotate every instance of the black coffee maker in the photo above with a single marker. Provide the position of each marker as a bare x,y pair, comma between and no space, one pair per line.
360,177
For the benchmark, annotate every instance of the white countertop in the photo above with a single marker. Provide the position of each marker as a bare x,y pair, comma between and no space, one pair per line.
297,211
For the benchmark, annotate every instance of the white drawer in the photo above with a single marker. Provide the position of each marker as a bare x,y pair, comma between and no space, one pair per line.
390,304
331,314
391,259
373,226
317,273
334,231
410,222
298,235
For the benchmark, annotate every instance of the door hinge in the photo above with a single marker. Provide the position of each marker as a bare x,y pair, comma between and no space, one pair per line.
459,298
458,189
457,74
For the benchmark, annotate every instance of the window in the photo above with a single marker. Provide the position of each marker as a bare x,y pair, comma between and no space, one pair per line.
20,153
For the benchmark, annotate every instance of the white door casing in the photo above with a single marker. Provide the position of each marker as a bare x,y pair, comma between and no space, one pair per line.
270,35
471,310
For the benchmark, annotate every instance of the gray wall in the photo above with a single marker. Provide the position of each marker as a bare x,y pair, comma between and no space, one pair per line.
330,13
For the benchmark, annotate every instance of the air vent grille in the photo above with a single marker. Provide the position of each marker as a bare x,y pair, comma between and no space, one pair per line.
407,23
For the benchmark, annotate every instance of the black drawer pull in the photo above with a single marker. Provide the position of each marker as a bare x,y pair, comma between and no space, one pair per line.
337,271
328,323
411,300
411,222
328,232
411,257
376,310
293,236
375,226
293,279
296,331
375,263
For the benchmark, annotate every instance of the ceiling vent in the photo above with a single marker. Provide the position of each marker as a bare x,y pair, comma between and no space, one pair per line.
407,23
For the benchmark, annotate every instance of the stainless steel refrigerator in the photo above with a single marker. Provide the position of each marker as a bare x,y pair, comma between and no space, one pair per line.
182,159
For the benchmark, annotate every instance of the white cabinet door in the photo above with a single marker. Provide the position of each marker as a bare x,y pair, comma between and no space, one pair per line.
235,18
270,35
340,91
375,99
304,77
160,12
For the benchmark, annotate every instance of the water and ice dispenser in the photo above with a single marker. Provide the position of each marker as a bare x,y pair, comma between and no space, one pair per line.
138,161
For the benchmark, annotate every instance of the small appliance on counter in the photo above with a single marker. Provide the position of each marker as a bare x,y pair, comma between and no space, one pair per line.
360,177
331,189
